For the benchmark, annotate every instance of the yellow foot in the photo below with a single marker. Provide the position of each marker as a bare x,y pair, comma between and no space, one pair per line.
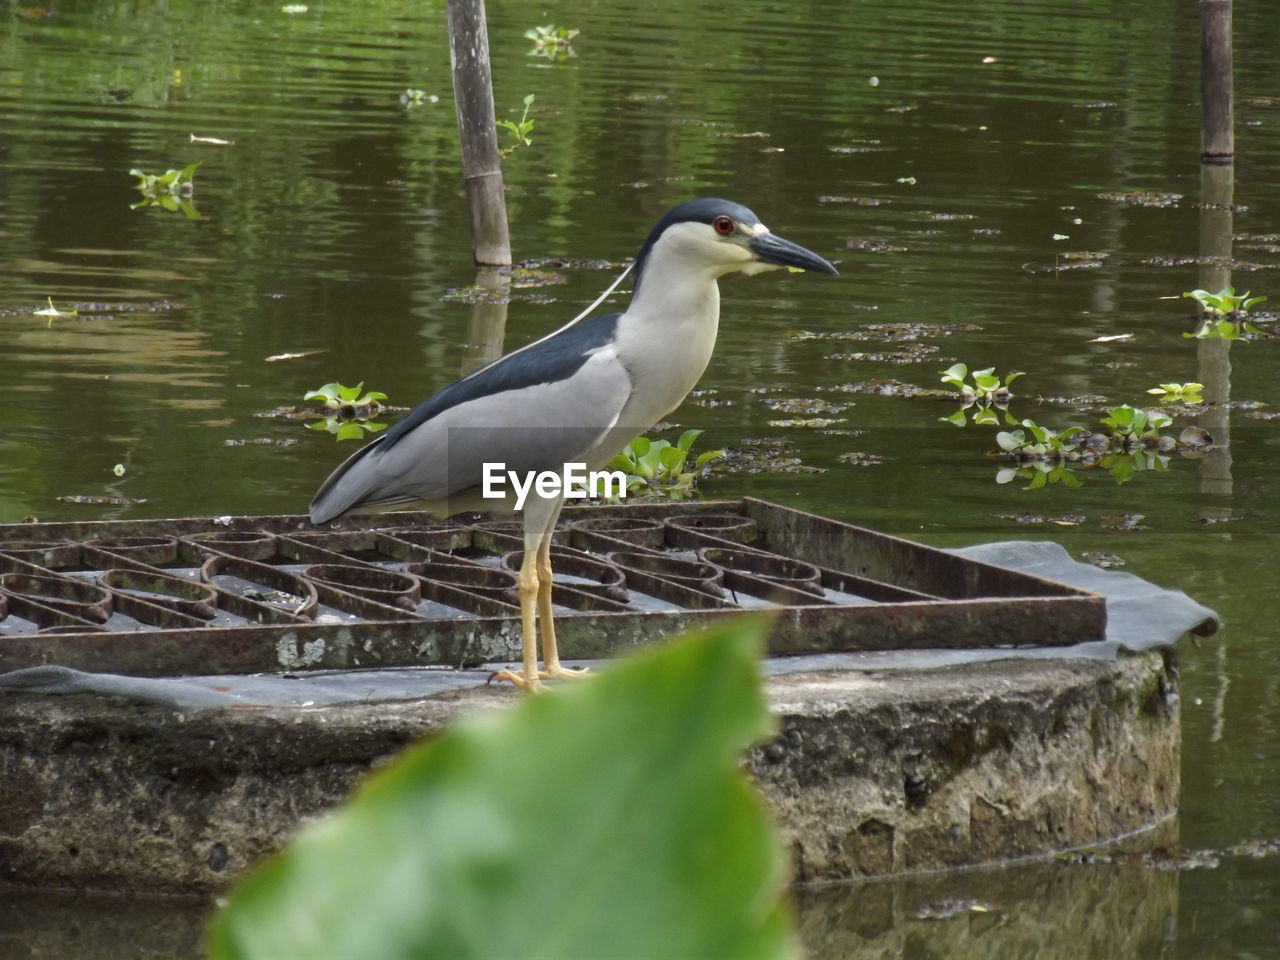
519,679
554,671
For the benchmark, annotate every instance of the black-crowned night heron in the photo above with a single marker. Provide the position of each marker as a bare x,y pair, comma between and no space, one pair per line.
577,396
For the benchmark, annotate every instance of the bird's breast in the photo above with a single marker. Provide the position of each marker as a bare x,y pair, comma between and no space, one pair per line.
666,356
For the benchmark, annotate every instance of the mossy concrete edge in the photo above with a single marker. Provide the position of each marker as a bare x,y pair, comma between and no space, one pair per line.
871,774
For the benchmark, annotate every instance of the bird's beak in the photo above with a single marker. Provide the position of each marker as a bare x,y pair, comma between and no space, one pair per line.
770,248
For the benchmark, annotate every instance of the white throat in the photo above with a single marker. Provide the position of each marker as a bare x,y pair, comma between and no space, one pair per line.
668,333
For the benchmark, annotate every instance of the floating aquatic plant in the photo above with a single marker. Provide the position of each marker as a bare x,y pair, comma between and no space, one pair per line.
1224,303
348,411
552,42
518,130
171,190
660,467
983,391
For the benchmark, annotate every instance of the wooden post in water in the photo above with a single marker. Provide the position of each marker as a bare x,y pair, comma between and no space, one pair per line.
477,133
1217,137
1217,154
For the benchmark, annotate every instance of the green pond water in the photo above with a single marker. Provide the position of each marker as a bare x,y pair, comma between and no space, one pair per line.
1000,183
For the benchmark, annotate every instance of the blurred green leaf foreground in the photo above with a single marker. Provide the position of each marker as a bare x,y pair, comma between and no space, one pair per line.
604,819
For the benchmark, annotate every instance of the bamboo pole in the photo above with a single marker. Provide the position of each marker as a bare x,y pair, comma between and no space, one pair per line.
1217,187
477,133
1217,137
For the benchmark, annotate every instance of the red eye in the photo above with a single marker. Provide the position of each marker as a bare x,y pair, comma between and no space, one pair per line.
723,226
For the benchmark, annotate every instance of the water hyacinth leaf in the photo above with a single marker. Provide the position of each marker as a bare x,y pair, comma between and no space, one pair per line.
329,392
955,375
624,461
650,462
606,819
704,458
1039,433
1120,418
687,438
1011,440
672,459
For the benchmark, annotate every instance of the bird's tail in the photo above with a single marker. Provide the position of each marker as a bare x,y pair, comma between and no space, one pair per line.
344,489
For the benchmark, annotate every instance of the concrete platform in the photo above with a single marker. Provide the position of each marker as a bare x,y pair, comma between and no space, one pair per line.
872,774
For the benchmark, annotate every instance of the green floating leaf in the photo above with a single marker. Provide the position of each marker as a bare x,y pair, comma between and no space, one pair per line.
687,438
607,819
1009,441
704,458
350,394
672,459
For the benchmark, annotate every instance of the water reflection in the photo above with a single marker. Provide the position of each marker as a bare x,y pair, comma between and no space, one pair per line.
488,324
1019,911
1213,356
99,928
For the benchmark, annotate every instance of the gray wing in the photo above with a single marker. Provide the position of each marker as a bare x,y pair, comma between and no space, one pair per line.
533,428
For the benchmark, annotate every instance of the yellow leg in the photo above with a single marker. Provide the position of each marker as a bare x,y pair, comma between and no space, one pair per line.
551,668
527,586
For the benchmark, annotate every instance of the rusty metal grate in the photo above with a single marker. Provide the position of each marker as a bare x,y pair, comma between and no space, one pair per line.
249,594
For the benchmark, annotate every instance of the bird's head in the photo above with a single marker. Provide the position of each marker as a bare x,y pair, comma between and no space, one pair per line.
718,237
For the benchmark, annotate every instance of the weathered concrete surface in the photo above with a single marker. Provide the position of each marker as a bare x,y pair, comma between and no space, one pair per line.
871,774
888,773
